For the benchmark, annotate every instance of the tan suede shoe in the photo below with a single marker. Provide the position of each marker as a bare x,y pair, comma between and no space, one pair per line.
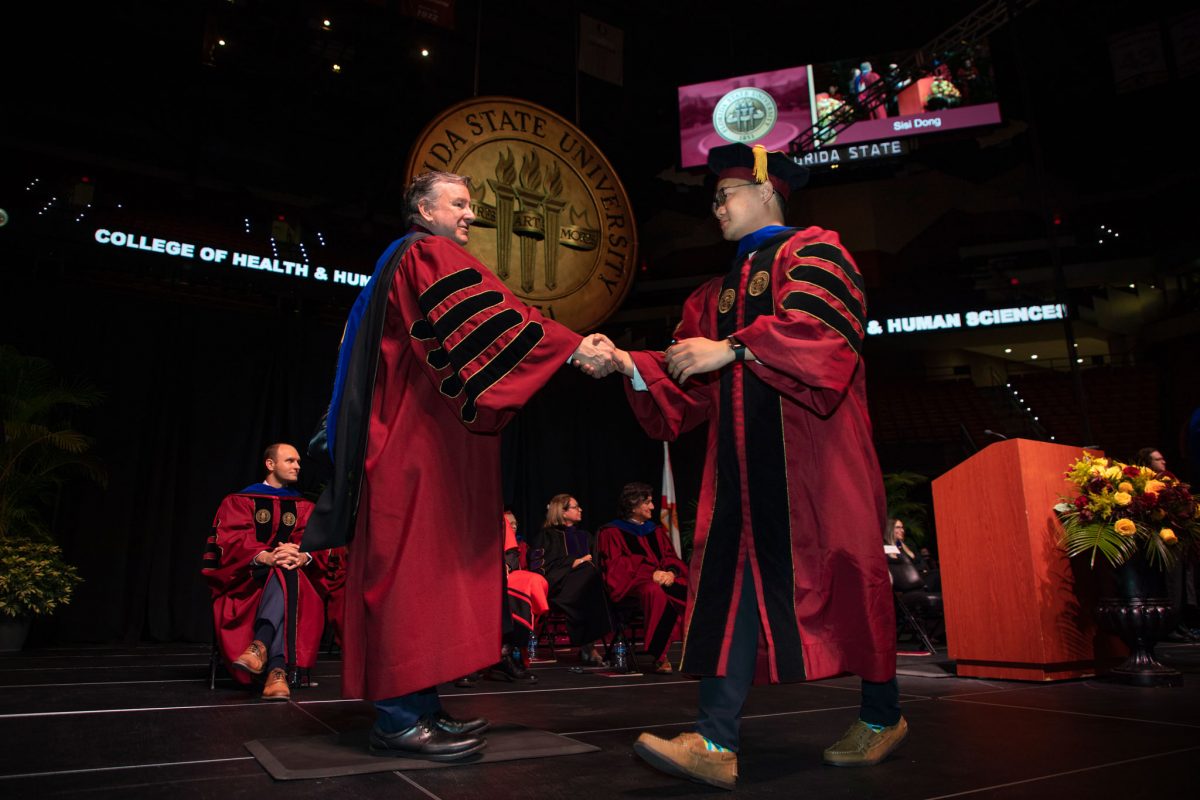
276,687
862,747
253,658
686,756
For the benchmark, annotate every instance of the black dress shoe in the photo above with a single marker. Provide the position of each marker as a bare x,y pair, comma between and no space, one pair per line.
424,740
460,727
509,670
467,681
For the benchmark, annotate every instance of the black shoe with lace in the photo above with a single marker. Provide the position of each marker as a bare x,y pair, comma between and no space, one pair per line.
425,740
507,669
467,681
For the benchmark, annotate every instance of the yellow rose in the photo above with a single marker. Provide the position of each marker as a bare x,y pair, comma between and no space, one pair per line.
1125,486
1154,487
1125,527
1112,473
1167,535
1122,498
1147,472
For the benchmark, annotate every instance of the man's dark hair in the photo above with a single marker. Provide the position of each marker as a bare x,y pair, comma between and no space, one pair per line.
424,189
272,451
632,496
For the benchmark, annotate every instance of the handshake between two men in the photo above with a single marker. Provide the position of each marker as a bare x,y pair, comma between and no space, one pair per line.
599,357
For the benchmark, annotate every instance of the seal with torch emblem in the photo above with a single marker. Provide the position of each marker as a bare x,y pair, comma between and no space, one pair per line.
552,219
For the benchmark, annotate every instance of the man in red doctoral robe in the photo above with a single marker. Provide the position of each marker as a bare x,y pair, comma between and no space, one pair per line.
266,611
437,356
640,565
787,559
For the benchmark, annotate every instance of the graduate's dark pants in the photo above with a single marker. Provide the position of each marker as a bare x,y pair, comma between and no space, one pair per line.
721,699
401,713
268,623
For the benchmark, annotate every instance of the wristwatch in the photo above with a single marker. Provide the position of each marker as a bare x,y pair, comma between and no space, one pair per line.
739,349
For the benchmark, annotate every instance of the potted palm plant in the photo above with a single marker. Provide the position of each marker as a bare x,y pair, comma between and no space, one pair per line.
39,451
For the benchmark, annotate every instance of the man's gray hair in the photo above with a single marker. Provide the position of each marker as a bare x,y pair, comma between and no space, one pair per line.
423,189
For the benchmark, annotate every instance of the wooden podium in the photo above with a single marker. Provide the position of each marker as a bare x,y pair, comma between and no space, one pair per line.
1016,607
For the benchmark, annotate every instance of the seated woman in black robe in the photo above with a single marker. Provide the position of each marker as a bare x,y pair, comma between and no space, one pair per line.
562,551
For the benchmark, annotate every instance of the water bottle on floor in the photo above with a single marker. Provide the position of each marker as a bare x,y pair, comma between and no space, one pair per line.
620,657
531,649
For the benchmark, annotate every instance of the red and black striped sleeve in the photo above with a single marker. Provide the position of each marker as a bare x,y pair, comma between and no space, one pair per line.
812,344
486,351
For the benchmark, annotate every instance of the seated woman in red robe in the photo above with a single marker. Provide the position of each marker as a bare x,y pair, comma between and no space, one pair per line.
526,601
562,551
640,565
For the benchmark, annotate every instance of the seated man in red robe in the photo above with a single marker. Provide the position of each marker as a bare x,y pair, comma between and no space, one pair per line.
266,611
639,562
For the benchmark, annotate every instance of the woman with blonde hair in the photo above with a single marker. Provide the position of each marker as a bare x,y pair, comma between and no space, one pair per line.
562,551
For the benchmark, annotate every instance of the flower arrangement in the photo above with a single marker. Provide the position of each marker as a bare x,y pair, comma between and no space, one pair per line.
1121,510
34,580
942,94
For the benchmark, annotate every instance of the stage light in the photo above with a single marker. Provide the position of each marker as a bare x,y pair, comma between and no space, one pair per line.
1007,350
1133,286
1052,438
1075,344
1033,357
326,24
337,68
1008,384
1035,419
424,53
221,42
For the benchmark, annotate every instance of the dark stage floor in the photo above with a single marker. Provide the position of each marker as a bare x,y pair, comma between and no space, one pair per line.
141,722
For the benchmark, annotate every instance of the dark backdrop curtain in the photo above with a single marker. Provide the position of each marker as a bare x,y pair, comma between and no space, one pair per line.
197,386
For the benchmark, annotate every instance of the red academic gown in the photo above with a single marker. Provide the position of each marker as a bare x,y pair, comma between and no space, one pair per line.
459,355
791,482
528,592
247,523
628,562
331,585
878,106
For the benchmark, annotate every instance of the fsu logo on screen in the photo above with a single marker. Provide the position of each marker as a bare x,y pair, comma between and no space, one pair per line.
745,115
552,219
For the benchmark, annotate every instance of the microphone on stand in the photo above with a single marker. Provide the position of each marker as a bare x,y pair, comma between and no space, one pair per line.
993,433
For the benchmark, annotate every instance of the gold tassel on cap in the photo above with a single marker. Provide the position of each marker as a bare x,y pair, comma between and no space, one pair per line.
760,163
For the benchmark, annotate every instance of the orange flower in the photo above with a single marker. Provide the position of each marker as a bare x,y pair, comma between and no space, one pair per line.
1154,487
1125,486
1122,498
1125,527
1167,535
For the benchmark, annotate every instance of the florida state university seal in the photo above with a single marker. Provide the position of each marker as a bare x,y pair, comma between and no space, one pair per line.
552,219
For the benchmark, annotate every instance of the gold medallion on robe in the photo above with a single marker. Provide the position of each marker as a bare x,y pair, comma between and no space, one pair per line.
289,518
262,516
552,219
759,283
726,301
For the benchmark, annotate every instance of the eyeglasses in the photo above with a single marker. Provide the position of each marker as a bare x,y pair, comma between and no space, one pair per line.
723,194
